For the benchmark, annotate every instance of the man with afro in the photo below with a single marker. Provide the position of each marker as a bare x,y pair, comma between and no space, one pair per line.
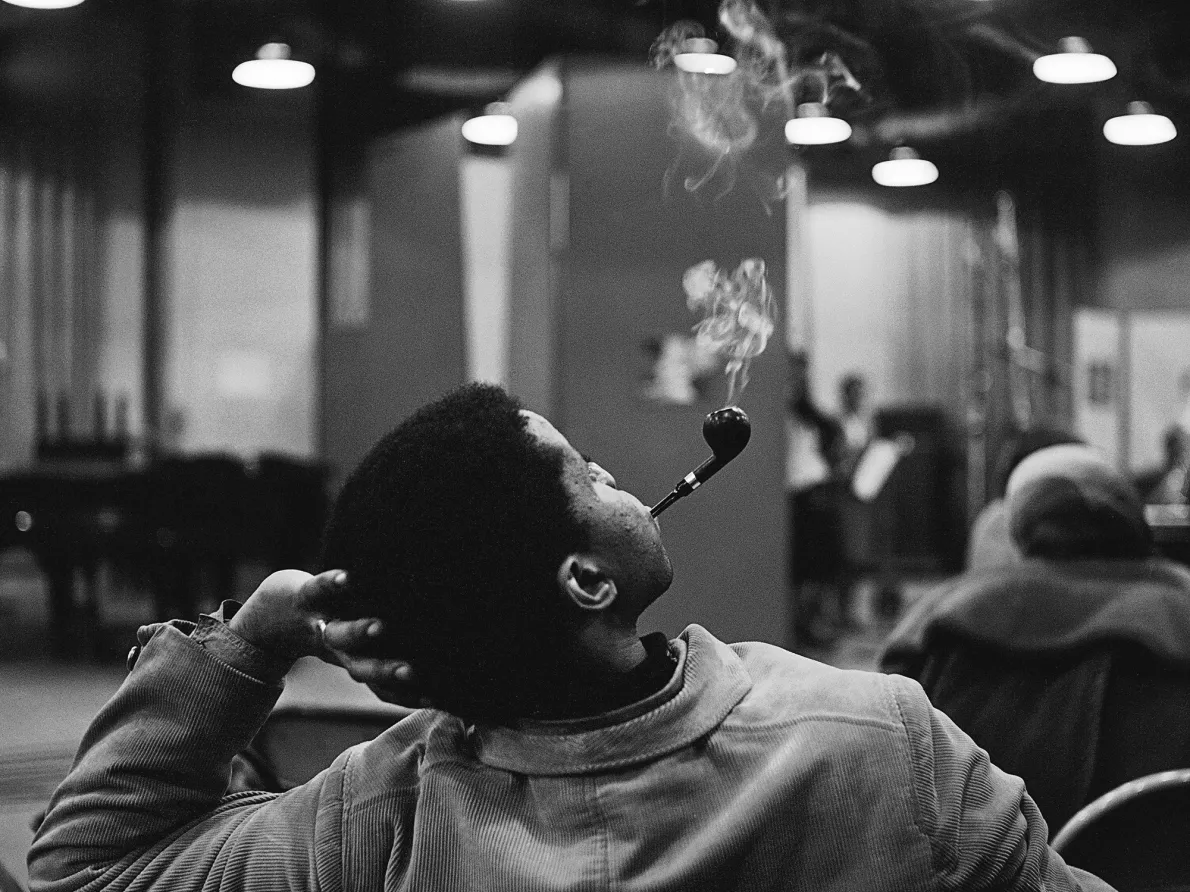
481,564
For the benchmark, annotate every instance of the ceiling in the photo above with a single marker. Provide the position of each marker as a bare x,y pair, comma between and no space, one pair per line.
930,69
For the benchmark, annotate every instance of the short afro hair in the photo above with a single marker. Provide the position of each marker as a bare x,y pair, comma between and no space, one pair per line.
452,530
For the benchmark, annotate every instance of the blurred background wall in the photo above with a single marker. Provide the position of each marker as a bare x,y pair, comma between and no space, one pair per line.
242,297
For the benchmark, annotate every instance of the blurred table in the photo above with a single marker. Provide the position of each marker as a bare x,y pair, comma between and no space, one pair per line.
180,523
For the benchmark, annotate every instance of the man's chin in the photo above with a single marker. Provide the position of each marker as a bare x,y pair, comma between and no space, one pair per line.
664,581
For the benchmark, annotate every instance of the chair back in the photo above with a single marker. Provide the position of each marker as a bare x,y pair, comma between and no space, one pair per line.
1137,836
297,742
196,504
286,510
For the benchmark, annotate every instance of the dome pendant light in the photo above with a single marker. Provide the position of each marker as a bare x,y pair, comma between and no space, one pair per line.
495,127
813,125
44,4
1075,63
1139,127
272,69
700,55
904,167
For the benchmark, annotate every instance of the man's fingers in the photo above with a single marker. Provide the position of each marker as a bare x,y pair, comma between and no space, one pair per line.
324,588
351,634
393,681
345,640
376,670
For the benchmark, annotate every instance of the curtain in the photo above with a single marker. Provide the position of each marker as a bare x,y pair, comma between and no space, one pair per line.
50,321
1032,263
889,293
966,305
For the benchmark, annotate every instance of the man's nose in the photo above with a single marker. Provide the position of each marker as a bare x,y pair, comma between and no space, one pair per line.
603,476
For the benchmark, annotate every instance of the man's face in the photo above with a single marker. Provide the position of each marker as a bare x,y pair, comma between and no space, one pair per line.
799,375
1176,447
624,536
853,395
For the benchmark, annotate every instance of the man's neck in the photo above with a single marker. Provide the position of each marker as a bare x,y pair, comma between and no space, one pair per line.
609,650
604,672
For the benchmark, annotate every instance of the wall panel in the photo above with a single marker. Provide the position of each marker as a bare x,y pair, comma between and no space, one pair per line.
538,233
408,347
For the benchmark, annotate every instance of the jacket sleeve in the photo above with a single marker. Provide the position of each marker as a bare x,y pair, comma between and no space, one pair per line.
985,831
143,806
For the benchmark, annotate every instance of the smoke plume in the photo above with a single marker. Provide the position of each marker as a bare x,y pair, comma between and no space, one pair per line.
719,118
739,315
710,112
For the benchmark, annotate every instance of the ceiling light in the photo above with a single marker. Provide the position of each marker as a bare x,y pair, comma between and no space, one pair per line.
1140,127
700,55
272,69
44,4
1074,64
904,167
495,127
813,125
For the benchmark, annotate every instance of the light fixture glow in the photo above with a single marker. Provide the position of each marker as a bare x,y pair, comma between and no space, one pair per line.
272,69
495,127
45,4
700,55
1075,63
904,167
1139,127
813,125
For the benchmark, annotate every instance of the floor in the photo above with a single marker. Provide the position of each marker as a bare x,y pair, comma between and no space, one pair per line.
46,703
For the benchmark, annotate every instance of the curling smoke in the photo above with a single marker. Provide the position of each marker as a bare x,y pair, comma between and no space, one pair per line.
722,116
761,55
739,315
709,110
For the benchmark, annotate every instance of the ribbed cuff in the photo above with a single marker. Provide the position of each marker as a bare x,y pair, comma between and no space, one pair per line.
214,635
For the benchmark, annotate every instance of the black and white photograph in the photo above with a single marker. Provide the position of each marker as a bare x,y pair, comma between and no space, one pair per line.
558,445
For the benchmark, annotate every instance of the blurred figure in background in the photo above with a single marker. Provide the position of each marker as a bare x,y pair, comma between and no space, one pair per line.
990,544
1166,485
858,519
814,487
1063,666
855,418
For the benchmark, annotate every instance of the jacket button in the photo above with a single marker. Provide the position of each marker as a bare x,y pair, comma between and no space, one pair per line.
132,656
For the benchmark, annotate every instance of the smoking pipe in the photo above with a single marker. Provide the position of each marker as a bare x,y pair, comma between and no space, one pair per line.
727,432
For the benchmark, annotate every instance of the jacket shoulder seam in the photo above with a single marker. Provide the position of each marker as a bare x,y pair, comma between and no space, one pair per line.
911,780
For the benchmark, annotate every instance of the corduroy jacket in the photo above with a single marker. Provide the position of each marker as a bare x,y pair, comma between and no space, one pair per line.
753,768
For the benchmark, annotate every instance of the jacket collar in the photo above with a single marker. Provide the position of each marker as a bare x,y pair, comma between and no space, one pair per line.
707,683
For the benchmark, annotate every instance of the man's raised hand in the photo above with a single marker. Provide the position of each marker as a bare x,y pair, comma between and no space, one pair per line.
296,614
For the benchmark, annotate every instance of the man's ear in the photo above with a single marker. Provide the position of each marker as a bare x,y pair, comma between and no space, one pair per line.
584,584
